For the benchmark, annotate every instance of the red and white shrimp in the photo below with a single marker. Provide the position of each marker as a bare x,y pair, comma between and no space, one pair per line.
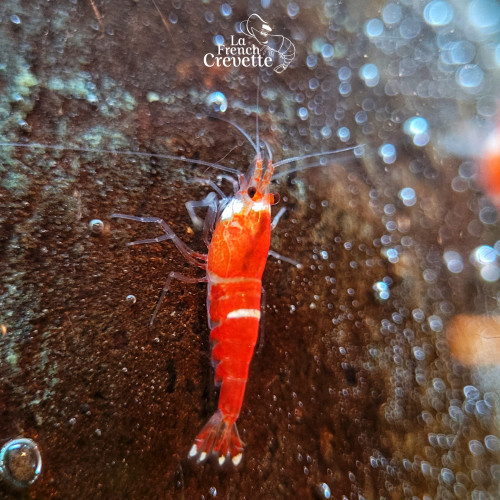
237,232
240,228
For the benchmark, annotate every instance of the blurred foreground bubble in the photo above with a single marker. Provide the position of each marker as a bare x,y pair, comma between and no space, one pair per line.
20,462
217,102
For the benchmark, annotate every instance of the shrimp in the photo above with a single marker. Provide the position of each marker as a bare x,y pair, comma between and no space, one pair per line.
237,255
489,171
240,229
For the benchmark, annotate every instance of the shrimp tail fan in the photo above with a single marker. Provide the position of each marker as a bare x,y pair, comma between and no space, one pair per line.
219,438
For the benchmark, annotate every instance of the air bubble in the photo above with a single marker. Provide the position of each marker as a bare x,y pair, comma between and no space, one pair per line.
324,491
96,226
327,51
453,261
374,27
381,290
438,13
418,129
369,74
408,196
344,134
14,19
303,113
226,9
470,76
476,447
392,13
131,299
485,15
217,102
488,215
292,9
492,443
388,153
218,40
20,462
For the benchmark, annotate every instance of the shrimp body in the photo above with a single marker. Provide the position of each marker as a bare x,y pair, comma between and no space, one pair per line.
490,167
236,260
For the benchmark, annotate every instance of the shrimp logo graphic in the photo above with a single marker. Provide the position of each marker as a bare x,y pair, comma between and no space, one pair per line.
274,45
269,49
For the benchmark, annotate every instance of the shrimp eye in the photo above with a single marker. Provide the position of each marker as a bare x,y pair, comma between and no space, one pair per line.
252,191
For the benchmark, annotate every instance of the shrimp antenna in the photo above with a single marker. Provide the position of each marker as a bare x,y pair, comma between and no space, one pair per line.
320,163
257,116
122,153
315,155
237,127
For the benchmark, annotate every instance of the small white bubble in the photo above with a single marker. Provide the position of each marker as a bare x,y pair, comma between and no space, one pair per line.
374,27
476,447
96,226
369,74
292,9
388,153
217,102
453,261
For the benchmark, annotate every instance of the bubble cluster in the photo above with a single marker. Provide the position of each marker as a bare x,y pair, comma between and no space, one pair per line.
485,258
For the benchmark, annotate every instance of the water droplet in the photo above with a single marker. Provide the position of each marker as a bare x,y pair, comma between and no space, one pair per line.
327,51
131,299
369,74
392,13
218,40
14,19
453,261
374,27
217,102
483,255
492,443
476,447
344,134
408,196
344,73
381,290
292,9
470,76
438,13
462,52
488,215
209,16
96,226
303,113
226,9
417,128
388,153
311,61
324,490
485,15
20,462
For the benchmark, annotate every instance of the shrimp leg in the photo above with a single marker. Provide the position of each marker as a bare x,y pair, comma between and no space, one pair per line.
187,252
211,202
177,276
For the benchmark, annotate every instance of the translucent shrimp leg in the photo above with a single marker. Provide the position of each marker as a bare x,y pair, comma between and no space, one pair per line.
272,253
177,276
187,252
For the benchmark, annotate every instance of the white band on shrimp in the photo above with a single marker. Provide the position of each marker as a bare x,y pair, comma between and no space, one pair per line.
244,313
